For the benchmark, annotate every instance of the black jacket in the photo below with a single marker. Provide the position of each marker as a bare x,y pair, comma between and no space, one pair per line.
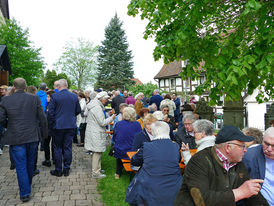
183,136
22,111
116,101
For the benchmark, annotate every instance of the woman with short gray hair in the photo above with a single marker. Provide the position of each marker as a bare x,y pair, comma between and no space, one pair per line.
123,137
204,137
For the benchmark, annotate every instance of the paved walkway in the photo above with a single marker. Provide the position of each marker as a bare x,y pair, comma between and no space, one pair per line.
76,189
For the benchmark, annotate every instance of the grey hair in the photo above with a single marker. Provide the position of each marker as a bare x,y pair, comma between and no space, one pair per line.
123,105
269,132
163,106
189,117
19,83
63,83
160,130
254,132
203,126
56,83
92,95
152,107
129,114
137,96
159,115
43,86
156,91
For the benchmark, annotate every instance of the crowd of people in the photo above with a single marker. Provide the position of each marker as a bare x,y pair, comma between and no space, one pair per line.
231,167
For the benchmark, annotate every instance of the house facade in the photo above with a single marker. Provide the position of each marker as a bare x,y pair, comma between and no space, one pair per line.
169,79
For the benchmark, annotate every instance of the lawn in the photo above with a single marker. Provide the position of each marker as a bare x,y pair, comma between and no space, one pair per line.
113,191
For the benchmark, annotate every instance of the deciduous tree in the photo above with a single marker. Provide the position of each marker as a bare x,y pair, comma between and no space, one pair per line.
234,39
26,60
52,76
78,62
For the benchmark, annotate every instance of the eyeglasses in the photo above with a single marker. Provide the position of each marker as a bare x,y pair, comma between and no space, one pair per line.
243,146
266,144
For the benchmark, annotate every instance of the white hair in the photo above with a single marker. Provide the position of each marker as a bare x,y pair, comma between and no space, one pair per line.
63,83
189,117
159,115
160,130
269,132
203,126
137,96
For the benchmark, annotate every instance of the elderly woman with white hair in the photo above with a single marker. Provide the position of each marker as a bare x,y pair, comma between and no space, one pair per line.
139,104
96,137
159,179
123,137
204,137
161,117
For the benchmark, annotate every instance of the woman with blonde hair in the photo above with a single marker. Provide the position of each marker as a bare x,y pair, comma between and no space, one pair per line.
145,135
124,133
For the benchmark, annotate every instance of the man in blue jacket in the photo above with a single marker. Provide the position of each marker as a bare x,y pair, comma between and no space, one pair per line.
62,111
156,98
43,95
259,162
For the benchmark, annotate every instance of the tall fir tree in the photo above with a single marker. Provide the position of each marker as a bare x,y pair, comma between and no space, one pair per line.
115,66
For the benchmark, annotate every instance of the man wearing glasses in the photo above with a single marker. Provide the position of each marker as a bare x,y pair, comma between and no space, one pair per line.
259,161
216,175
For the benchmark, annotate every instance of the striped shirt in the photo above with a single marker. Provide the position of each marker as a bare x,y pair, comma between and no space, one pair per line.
226,164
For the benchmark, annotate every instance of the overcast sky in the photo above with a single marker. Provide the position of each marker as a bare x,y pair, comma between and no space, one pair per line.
52,23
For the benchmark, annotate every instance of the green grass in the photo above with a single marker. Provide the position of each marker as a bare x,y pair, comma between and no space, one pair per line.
113,191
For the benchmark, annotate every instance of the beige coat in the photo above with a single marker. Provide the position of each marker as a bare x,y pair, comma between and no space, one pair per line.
96,137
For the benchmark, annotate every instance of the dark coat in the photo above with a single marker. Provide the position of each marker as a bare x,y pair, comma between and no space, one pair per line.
177,110
183,136
159,179
116,101
157,100
139,140
22,111
207,183
124,136
254,161
62,110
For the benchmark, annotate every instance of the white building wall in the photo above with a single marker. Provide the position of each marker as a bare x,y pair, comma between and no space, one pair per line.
256,115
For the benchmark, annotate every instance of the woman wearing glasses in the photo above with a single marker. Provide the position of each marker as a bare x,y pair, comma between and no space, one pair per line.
204,137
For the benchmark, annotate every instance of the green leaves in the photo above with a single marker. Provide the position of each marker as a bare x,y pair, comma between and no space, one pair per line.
79,62
26,60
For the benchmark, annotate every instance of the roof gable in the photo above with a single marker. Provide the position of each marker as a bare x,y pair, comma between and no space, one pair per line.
169,70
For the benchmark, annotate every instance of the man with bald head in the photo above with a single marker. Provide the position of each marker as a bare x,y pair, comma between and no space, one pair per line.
259,162
62,111
22,111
